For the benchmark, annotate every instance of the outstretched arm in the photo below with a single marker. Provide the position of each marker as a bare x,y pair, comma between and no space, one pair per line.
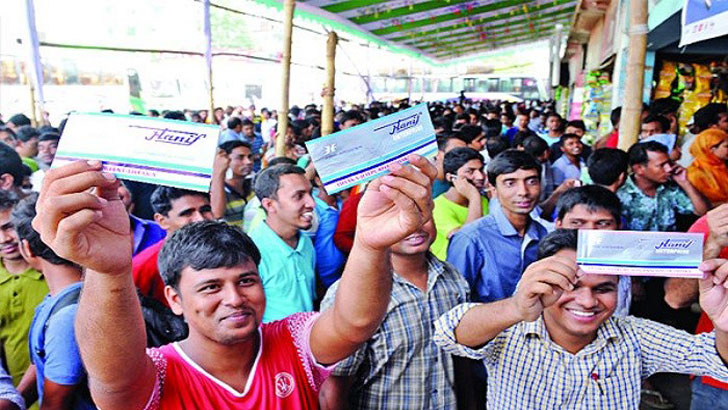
393,207
92,230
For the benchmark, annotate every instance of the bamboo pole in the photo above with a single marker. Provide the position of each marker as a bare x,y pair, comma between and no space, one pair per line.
288,7
327,116
208,60
629,126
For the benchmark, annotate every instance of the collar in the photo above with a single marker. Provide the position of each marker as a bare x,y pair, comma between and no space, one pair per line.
504,225
278,241
30,273
631,187
435,269
608,331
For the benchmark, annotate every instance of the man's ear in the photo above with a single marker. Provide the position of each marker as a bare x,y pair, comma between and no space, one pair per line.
267,204
621,178
638,169
558,223
28,255
174,299
161,220
6,182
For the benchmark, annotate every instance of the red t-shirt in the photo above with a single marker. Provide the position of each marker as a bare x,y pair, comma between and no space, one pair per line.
346,226
705,324
145,272
285,374
612,140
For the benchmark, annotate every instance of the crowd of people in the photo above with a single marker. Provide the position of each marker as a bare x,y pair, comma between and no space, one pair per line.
450,283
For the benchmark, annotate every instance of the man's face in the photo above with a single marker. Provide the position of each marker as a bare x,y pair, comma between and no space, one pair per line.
553,123
225,305
573,147
47,150
473,172
28,149
241,161
473,119
581,217
9,243
478,142
185,210
125,196
522,121
349,123
578,313
248,130
518,191
417,243
651,128
492,116
293,204
657,169
8,139
506,120
575,130
723,122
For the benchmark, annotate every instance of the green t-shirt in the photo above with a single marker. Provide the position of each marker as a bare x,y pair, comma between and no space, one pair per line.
19,296
31,163
448,216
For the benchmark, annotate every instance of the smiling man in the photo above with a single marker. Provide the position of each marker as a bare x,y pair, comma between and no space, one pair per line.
229,360
556,344
569,165
289,258
228,197
493,251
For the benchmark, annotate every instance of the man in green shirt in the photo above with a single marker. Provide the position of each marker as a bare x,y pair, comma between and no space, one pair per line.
463,202
21,290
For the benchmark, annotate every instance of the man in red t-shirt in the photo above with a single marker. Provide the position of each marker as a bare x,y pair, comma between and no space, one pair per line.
173,209
229,360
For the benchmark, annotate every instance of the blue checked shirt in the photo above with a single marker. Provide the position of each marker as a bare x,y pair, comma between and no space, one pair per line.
400,367
526,370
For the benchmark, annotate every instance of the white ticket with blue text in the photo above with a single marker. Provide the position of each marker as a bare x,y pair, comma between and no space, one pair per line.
666,254
158,151
362,153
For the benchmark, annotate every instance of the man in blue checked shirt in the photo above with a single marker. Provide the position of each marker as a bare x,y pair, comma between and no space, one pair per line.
556,345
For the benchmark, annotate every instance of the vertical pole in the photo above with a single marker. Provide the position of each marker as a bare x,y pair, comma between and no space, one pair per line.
208,60
288,7
37,98
629,126
327,116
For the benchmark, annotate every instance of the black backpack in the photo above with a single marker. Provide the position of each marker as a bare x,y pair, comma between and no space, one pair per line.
163,326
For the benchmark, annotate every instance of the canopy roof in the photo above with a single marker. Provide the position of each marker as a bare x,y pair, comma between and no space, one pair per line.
448,29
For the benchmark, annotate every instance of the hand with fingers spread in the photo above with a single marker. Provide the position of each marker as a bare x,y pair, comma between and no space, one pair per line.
714,292
396,205
82,218
542,284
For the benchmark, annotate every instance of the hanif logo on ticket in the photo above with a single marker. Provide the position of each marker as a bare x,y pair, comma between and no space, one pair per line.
169,136
397,128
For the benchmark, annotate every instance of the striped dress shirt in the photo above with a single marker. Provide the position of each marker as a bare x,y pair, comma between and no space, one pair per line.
526,370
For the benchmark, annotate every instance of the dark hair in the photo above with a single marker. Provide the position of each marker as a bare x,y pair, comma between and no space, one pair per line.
520,136
458,157
234,122
535,146
9,131
10,163
26,133
163,196
615,116
22,217
468,133
229,146
8,199
175,115
594,197
204,245
154,113
662,106
247,122
493,128
605,165
576,124
268,181
495,145
351,115
49,136
281,160
564,137
511,160
556,241
638,152
19,120
664,122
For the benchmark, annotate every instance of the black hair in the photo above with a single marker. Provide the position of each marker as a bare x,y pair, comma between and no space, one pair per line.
154,113
8,200
246,122
163,196
458,157
9,131
268,181
511,160
664,122
594,197
204,245
662,106
469,133
638,152
234,122
175,115
605,165
10,163
520,136
557,240
22,217
26,133
496,145
351,115
281,160
615,116
19,120
49,136
564,137
535,146
577,124
229,146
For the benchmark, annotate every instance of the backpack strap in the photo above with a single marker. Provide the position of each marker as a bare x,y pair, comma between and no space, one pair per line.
68,299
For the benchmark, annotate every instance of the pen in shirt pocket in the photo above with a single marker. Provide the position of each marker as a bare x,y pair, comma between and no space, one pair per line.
595,377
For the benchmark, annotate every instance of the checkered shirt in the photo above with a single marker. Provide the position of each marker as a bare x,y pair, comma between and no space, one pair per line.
526,370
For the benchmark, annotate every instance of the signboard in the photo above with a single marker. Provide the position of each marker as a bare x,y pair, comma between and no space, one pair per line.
703,20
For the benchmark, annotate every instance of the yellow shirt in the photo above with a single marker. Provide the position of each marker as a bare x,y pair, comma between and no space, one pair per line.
447,216
19,296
